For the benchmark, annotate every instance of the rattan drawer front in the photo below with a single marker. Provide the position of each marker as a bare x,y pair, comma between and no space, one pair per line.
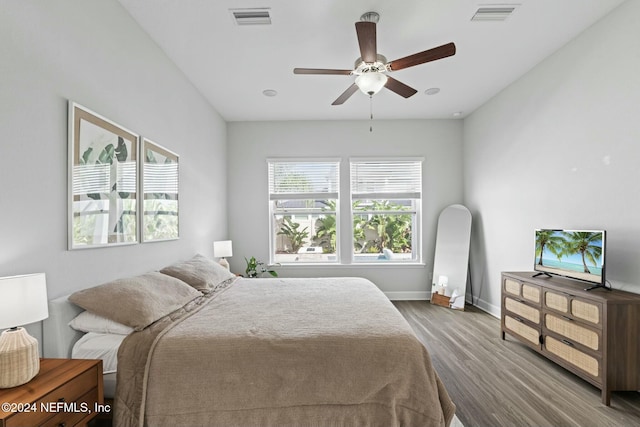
587,311
573,331
522,310
512,287
580,360
557,302
531,293
525,331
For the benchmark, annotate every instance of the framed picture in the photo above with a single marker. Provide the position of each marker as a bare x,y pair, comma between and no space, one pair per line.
103,181
160,187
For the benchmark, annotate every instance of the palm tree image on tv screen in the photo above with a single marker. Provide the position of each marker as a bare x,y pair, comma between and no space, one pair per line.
576,254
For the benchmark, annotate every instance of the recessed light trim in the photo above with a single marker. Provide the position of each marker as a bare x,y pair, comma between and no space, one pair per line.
457,114
432,91
270,92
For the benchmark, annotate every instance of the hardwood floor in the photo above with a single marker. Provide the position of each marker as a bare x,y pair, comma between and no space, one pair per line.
504,383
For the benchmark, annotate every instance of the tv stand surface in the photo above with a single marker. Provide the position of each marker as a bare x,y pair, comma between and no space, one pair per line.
595,335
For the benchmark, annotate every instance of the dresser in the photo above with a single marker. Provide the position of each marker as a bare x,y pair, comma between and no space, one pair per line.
65,393
594,334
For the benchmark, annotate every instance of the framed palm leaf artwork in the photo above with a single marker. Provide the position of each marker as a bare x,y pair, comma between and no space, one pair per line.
103,181
160,185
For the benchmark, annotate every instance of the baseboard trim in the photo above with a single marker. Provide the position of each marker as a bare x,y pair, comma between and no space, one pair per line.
487,307
408,296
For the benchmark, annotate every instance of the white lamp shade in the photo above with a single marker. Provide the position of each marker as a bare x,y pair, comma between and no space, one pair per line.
222,249
23,300
371,83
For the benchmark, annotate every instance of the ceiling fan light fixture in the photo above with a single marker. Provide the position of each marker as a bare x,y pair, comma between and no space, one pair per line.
371,83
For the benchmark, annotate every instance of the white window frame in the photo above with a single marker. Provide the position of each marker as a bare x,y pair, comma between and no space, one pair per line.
330,193
410,189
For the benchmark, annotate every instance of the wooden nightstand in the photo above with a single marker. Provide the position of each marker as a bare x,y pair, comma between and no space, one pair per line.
66,392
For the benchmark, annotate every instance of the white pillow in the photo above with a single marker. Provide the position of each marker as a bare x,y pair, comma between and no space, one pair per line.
99,346
90,322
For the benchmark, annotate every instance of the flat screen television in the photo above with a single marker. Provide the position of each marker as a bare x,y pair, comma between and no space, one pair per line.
576,254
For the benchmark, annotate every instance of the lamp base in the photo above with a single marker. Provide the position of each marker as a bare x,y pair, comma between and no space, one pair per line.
223,262
19,358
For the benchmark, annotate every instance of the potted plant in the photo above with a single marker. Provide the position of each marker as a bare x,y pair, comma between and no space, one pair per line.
257,268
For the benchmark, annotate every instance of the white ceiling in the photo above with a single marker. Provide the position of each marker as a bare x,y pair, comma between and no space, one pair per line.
231,65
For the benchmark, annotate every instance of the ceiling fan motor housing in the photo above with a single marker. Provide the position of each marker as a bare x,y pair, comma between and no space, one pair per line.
380,66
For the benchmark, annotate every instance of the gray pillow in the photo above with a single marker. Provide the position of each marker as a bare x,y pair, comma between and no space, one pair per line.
136,301
200,272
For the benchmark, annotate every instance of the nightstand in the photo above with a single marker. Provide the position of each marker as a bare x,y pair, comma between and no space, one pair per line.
66,392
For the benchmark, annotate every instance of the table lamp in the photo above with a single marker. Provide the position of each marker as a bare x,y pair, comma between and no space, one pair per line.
223,249
23,300
443,281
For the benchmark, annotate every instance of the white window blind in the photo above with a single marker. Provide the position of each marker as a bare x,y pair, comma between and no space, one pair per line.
303,179
383,179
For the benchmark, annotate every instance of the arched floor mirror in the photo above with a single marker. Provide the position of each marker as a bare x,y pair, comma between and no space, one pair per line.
451,261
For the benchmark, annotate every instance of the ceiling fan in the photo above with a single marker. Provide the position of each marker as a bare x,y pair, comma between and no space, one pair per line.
371,67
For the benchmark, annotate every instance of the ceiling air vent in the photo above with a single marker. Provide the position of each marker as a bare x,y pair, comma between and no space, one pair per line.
493,12
251,16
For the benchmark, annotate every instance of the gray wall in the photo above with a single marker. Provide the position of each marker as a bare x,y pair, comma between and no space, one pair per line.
93,53
559,148
251,143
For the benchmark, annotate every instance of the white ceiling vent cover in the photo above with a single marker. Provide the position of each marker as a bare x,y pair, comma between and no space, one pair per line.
494,12
260,16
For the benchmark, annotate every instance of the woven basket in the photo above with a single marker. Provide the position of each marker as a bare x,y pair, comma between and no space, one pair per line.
19,358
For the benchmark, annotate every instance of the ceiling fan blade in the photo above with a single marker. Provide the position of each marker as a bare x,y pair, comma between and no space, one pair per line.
367,41
399,87
320,71
439,52
346,95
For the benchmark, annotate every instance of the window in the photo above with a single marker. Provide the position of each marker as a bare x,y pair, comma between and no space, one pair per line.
303,205
384,203
386,197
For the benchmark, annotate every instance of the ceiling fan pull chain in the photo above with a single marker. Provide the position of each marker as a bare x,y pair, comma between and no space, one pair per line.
371,113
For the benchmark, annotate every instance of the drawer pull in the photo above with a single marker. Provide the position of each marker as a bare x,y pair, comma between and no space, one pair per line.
518,319
567,318
62,425
61,399
569,343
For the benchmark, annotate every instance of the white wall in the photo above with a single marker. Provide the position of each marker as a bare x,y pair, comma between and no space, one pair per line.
251,143
93,52
559,148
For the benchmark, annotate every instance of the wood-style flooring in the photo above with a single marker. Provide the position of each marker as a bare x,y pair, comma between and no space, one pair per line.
503,383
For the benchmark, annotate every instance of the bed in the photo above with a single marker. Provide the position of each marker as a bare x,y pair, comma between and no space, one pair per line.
272,352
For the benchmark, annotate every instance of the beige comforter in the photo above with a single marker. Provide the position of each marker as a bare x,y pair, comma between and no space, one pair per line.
281,352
